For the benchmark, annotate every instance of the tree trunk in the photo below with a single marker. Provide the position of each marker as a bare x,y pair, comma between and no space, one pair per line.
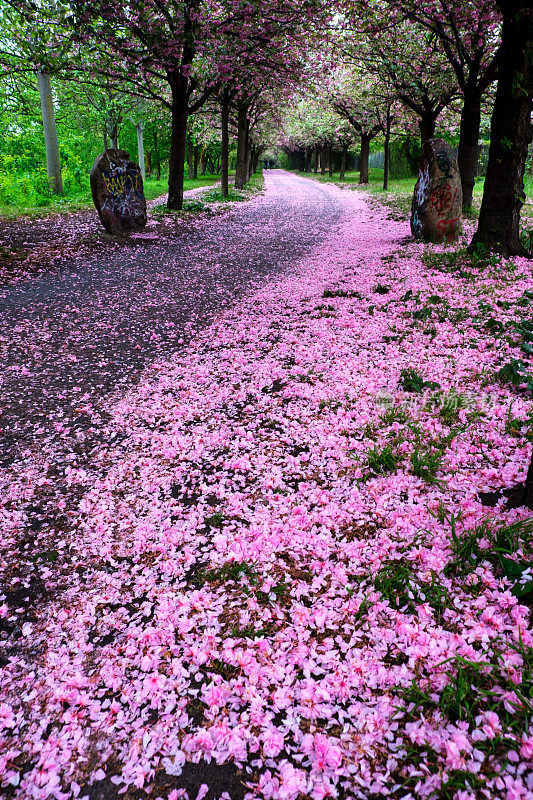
386,151
53,163
468,145
363,158
248,158
190,157
106,141
140,148
251,159
201,165
317,159
343,162
330,161
240,165
510,133
196,159
224,153
323,161
426,125
178,141
113,133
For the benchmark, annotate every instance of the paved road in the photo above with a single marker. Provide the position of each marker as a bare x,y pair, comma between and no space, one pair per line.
68,340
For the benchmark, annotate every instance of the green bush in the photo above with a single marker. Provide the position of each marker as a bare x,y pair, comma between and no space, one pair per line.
404,157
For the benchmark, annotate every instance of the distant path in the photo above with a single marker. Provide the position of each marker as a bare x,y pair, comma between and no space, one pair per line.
68,340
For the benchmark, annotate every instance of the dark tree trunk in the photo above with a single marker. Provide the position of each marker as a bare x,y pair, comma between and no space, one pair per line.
468,145
363,158
178,141
148,163
343,162
510,133
323,161
196,159
190,157
250,162
317,159
241,172
386,151
426,125
248,151
224,152
330,161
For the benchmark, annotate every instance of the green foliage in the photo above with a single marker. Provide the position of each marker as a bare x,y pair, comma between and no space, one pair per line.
515,372
230,571
506,547
426,461
404,156
381,460
412,381
401,588
340,293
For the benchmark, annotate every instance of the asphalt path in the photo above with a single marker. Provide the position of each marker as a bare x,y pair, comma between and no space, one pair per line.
69,339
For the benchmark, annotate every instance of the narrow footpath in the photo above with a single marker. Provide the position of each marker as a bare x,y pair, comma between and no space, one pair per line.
70,337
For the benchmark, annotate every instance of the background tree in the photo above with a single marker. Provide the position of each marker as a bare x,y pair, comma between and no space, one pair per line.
468,33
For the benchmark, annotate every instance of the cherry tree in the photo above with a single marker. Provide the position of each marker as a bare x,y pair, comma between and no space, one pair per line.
355,97
405,56
179,52
468,34
503,196
26,48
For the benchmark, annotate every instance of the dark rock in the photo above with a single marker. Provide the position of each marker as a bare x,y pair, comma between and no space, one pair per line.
118,192
437,200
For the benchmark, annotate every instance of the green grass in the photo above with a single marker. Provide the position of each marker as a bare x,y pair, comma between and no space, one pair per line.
400,190
30,203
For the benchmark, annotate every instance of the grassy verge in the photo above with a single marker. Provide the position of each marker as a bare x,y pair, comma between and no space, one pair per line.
400,192
212,200
80,199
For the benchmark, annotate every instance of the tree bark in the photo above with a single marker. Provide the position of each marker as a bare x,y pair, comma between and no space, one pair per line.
241,165
330,161
53,162
224,153
503,196
467,154
363,158
386,151
317,159
190,157
426,125
323,161
248,154
178,141
113,133
343,162
140,148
